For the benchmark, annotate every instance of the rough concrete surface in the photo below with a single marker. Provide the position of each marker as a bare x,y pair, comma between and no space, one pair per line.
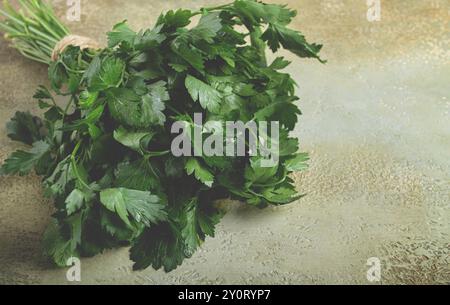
376,122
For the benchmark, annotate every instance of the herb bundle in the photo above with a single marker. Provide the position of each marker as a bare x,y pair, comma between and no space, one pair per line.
105,157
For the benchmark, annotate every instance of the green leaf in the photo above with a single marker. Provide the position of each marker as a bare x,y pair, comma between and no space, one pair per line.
120,33
256,173
291,40
190,230
208,97
136,175
92,117
189,53
131,139
42,93
297,163
153,104
108,75
254,12
199,222
87,99
160,246
178,67
173,20
200,172
73,83
284,113
288,146
25,128
57,246
139,112
57,75
93,69
138,84
279,63
61,239
74,201
21,162
142,206
149,39
43,105
124,105
53,114
56,183
94,131
282,195
207,28
114,226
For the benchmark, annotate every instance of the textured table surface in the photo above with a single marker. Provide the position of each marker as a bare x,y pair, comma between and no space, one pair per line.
376,122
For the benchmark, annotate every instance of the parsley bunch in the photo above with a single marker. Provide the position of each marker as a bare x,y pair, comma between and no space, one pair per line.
105,157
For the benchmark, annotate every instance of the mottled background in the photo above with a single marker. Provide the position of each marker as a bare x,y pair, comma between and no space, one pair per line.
376,121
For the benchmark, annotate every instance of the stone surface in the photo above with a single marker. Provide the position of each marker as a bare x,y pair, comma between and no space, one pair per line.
376,121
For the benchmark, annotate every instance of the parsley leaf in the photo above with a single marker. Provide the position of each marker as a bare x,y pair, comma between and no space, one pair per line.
21,162
107,75
57,246
158,246
74,201
208,97
192,55
173,20
25,128
200,172
297,162
139,111
105,156
285,113
199,222
291,40
129,139
142,206
120,33
207,28
153,104
137,175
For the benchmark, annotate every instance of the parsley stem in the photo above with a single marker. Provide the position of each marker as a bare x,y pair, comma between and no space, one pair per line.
271,184
34,29
149,154
75,166
75,150
32,57
208,9
254,193
67,108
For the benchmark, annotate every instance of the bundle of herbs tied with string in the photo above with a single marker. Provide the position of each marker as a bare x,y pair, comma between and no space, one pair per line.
105,155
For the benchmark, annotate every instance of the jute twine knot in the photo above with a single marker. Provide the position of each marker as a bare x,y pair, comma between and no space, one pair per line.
74,40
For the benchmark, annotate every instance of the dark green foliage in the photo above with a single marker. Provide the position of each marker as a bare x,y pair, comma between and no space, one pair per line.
105,159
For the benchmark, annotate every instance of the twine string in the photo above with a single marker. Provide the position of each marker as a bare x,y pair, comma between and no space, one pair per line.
74,40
